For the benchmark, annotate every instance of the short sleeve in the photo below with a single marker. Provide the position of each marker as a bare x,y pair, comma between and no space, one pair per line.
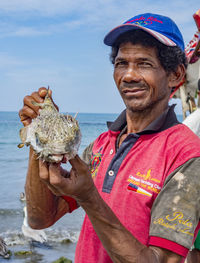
176,210
87,154
71,202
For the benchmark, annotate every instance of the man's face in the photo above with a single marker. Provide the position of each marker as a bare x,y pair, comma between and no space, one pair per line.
140,78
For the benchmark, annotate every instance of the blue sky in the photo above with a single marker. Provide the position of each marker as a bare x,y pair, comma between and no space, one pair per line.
60,43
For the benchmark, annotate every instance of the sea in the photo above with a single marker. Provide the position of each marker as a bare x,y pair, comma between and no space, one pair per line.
61,237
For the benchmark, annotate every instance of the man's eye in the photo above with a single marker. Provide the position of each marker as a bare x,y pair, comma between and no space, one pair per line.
120,63
145,64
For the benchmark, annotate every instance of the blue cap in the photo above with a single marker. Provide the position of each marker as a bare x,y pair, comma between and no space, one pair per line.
161,27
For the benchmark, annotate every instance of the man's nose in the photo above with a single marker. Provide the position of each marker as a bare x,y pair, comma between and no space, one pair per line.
132,74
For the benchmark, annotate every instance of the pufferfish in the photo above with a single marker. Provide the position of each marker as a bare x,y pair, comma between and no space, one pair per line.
51,134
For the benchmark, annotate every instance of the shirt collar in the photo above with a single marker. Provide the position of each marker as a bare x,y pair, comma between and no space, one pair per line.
166,120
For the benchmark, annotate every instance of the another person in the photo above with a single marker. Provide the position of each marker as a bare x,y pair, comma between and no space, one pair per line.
139,183
194,254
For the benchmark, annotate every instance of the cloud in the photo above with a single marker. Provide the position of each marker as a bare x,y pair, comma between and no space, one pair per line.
32,18
110,10
15,30
67,61
44,8
8,61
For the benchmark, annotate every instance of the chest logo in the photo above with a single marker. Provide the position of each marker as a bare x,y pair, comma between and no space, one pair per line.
138,189
144,183
95,162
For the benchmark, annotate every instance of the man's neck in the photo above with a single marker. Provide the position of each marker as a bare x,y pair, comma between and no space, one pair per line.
137,121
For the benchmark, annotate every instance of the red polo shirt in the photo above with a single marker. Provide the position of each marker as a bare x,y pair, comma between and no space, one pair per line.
149,183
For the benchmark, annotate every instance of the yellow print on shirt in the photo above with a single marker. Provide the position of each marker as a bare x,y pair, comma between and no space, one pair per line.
147,176
176,222
145,181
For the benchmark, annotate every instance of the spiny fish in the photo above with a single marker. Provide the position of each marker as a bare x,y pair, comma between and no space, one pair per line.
51,134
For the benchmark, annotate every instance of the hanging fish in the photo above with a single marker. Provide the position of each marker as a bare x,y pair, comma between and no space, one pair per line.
52,135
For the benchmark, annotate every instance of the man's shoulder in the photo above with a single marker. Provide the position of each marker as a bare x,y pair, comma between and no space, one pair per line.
185,134
182,145
181,132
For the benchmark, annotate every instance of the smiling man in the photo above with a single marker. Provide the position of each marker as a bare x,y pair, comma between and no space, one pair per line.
139,181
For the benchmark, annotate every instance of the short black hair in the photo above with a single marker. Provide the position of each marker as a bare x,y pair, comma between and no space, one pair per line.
169,56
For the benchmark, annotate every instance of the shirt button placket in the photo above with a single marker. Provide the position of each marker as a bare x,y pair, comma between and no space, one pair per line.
111,151
111,173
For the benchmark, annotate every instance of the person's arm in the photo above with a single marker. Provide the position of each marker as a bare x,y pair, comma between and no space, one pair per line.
44,207
193,256
120,244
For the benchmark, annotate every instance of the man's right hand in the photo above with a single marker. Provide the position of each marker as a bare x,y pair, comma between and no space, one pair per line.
30,111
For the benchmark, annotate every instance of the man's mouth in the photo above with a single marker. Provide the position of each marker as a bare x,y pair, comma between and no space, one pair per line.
134,91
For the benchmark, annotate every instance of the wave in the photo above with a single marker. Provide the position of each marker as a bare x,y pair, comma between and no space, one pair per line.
16,237
9,143
15,160
80,123
12,234
10,212
93,123
10,121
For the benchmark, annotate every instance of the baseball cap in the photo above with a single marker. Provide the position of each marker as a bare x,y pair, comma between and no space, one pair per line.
161,27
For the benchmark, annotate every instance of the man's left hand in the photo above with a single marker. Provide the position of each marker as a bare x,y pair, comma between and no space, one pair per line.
77,184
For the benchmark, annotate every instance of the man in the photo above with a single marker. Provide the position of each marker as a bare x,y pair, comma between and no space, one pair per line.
194,254
140,186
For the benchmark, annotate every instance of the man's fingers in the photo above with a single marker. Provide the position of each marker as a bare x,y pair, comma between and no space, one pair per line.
26,122
43,92
78,164
53,190
36,97
30,110
28,102
44,176
55,177
76,161
26,113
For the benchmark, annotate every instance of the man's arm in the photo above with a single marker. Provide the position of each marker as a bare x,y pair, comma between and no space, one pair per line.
120,244
44,207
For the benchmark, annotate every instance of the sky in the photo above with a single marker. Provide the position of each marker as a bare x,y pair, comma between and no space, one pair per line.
60,43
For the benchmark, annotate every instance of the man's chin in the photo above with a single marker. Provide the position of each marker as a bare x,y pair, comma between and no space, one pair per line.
139,107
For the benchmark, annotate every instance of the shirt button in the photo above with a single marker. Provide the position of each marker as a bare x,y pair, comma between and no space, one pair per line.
111,172
111,151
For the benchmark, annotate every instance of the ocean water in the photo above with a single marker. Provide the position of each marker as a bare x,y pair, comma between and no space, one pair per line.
13,167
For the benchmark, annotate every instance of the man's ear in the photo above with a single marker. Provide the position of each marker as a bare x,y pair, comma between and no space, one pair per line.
175,78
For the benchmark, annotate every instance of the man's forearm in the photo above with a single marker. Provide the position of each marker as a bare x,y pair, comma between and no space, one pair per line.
120,244
44,208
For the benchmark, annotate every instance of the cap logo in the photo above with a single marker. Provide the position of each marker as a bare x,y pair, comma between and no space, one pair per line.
143,21
160,27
